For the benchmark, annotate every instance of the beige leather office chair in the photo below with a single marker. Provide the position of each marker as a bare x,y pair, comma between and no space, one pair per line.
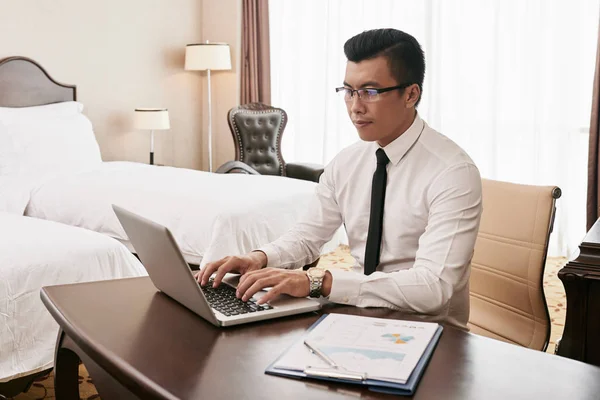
507,293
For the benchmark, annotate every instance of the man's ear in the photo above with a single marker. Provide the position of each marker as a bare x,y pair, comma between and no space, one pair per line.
413,94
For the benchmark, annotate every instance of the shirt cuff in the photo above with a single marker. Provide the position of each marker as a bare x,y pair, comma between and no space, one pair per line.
273,257
345,286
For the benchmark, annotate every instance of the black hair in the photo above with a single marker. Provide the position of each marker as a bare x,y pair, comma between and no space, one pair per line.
404,54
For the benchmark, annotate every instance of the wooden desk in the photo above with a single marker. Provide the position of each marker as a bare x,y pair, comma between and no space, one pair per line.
137,343
581,279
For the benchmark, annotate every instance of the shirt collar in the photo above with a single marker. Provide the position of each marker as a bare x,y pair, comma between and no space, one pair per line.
400,146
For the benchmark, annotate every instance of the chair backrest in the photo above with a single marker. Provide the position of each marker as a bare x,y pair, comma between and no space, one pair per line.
257,129
506,285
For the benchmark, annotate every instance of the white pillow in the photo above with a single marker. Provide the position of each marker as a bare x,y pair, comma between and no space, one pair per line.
9,115
39,147
14,195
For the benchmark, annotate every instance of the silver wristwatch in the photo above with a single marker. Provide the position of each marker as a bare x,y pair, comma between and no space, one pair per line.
315,277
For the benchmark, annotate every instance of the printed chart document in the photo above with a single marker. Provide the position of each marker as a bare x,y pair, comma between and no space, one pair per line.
378,349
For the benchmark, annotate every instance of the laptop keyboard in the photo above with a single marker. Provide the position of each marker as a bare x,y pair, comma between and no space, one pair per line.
223,300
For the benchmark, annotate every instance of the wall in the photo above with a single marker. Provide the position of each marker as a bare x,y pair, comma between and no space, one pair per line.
123,55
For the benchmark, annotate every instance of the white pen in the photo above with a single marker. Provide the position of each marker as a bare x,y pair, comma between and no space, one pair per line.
319,353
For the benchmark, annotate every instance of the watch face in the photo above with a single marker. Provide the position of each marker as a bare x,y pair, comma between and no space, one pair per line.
316,273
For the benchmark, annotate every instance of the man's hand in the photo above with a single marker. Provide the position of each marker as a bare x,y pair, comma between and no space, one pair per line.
294,282
242,264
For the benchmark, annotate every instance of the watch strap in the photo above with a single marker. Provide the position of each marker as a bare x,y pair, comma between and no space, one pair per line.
316,286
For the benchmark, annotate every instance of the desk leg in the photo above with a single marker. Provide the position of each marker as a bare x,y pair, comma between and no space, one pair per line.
66,369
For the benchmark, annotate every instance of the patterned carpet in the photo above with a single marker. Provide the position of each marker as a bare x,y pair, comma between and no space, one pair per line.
43,388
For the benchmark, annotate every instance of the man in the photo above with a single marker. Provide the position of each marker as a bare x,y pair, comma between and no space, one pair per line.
410,200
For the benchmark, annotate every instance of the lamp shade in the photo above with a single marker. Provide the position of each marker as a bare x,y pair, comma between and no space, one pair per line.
152,118
204,56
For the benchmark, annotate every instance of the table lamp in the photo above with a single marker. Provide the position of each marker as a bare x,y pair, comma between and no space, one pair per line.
208,57
152,119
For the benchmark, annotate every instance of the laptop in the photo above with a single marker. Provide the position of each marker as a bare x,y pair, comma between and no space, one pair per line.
170,273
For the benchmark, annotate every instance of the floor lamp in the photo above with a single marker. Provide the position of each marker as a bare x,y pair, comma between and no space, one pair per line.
152,119
208,57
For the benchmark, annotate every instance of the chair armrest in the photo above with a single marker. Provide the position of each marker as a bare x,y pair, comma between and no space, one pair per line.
305,171
236,167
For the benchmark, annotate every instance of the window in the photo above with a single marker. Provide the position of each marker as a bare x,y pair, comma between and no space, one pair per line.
509,81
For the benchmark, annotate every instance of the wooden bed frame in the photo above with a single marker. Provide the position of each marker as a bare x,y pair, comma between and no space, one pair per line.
24,83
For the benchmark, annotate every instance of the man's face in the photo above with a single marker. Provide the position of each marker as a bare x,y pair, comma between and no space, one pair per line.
390,113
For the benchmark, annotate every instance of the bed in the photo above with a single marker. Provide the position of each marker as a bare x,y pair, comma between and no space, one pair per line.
50,168
36,253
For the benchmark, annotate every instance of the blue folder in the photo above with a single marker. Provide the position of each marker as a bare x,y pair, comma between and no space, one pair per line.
404,389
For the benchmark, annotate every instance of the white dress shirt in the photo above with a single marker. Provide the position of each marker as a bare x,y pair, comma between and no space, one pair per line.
430,223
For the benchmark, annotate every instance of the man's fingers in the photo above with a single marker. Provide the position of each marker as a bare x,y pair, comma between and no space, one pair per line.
209,269
232,264
257,271
248,279
271,294
204,274
258,285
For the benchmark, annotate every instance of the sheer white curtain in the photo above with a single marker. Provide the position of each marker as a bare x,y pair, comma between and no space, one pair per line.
508,80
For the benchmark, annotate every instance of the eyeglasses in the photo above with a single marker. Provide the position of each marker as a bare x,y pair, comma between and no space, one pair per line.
367,95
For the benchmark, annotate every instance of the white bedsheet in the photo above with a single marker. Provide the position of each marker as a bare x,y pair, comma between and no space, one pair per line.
36,253
210,215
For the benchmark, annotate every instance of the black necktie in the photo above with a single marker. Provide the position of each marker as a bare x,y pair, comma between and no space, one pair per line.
373,247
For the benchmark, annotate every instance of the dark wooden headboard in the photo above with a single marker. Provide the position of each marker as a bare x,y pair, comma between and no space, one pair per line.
24,83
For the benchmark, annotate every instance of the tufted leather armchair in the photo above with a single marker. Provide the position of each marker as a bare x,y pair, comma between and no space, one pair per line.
257,129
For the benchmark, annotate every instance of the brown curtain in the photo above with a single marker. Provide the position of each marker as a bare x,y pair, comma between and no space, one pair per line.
256,59
593,194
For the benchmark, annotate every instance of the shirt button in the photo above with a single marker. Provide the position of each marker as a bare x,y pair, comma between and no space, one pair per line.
345,300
